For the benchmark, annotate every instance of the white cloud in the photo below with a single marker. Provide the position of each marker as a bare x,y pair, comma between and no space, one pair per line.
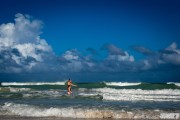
125,57
23,50
26,30
73,60
174,56
173,46
74,66
146,65
112,49
116,54
24,36
6,32
71,55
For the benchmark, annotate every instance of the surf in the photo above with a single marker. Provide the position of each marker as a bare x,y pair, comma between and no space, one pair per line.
37,111
30,83
175,83
121,84
139,94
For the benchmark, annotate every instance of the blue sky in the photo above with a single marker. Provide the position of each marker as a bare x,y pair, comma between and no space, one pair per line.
90,40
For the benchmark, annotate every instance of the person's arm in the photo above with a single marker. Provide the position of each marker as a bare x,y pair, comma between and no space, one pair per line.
73,85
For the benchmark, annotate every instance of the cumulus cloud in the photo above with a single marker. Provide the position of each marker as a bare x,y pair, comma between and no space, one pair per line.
117,60
73,61
146,65
20,44
171,54
23,50
71,55
173,46
143,50
113,50
115,53
125,57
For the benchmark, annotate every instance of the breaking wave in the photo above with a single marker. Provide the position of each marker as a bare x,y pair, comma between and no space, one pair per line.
31,83
11,89
121,84
69,112
177,84
106,93
139,94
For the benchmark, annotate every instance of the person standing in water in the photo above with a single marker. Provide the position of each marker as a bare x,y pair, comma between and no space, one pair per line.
69,85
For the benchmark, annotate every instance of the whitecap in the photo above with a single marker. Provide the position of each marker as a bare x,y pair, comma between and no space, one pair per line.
121,84
31,83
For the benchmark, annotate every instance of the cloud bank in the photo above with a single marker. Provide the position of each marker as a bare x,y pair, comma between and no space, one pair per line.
21,47
22,50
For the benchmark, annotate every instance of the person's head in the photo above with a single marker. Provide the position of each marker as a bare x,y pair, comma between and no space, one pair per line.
69,80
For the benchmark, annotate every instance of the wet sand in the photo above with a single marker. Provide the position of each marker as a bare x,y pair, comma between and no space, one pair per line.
7,117
11,117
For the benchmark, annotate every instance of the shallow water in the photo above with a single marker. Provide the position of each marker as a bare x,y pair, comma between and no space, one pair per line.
91,100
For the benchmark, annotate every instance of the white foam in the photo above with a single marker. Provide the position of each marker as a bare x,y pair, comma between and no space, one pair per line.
121,84
19,89
29,110
35,111
10,89
43,94
88,94
82,89
31,83
138,94
170,116
175,83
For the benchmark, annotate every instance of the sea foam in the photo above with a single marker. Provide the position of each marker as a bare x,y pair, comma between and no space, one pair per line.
35,111
31,83
138,94
121,84
175,83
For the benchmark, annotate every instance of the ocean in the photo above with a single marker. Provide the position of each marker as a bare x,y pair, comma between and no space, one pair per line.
111,100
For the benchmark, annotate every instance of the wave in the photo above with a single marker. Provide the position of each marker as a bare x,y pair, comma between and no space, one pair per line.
121,84
87,86
105,93
90,96
138,94
31,83
57,94
37,111
11,89
175,83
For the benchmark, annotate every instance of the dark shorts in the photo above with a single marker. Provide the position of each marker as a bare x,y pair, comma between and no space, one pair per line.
68,87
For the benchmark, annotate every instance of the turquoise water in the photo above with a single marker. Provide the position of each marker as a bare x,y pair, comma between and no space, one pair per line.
90,99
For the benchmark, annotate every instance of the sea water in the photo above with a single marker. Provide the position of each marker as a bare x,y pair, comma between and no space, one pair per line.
91,100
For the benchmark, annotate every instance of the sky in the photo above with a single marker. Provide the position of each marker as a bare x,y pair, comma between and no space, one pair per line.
90,40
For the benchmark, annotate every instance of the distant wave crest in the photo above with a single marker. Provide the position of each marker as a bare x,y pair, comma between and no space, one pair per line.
121,84
31,83
175,83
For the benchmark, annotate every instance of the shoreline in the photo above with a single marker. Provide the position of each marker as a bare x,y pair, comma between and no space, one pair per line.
157,116
14,117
